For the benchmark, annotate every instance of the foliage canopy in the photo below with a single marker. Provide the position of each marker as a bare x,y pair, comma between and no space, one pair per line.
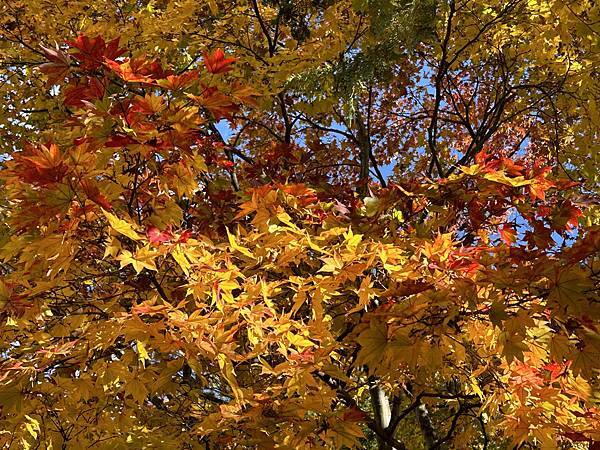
299,224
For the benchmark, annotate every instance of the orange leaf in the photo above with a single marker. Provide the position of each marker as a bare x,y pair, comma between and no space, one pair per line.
138,70
94,194
217,63
508,234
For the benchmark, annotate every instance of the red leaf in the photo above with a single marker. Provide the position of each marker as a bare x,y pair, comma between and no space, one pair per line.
217,63
556,370
481,158
83,90
119,141
224,163
183,237
92,52
567,217
354,415
155,236
58,68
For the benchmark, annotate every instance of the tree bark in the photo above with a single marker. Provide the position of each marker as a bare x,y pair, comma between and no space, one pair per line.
382,412
364,145
426,426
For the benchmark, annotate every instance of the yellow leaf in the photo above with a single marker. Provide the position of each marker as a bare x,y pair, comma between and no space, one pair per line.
10,398
333,264
142,352
364,295
137,389
373,344
569,288
513,346
500,177
345,434
143,259
32,426
559,347
352,240
229,375
301,343
121,226
371,207
179,256
235,246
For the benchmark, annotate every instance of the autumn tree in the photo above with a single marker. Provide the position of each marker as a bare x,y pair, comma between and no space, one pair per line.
299,224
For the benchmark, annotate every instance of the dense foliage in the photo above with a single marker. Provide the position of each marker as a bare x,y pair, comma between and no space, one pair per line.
299,224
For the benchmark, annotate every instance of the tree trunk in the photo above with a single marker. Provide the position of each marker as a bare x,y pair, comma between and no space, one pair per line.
426,426
383,413
365,147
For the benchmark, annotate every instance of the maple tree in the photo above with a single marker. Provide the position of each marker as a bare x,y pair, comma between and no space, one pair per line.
280,224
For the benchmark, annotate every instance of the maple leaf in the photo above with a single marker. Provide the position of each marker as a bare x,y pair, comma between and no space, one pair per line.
235,246
120,141
512,347
93,193
345,434
584,362
373,345
559,347
59,66
224,163
183,237
364,293
539,187
354,415
142,352
228,373
86,89
567,217
569,287
514,168
216,102
508,234
137,390
244,94
11,398
217,63
41,165
93,51
149,104
589,245
142,259
556,370
155,236
137,70
121,226
177,82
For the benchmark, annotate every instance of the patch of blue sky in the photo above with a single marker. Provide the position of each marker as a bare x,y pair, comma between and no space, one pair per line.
224,127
